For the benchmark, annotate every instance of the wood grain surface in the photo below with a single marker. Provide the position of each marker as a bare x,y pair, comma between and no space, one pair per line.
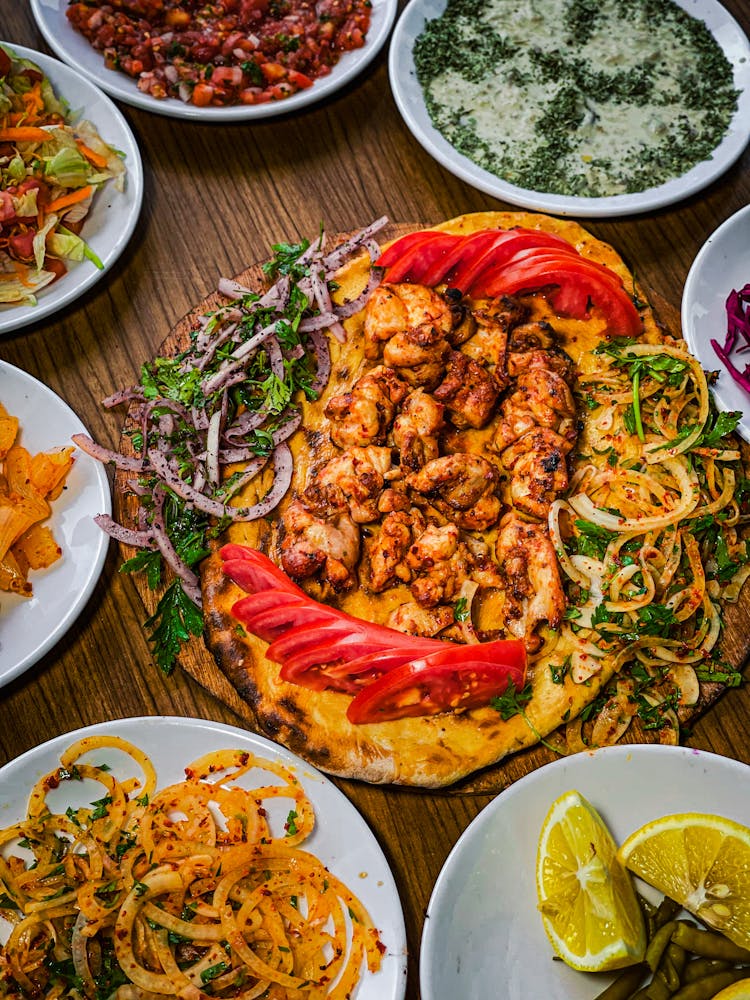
216,198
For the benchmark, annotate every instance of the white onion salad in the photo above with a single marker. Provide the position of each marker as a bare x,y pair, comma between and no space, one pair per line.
228,399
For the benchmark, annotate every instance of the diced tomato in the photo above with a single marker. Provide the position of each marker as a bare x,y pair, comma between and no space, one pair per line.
273,71
437,683
56,266
7,208
21,245
300,80
5,63
203,95
398,248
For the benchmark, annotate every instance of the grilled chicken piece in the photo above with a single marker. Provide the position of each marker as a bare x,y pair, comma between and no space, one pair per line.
320,535
419,356
387,551
416,620
541,398
494,318
363,416
416,429
463,487
405,308
360,474
538,466
464,323
530,579
468,390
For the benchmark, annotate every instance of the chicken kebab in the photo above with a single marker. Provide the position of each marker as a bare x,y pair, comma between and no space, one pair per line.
409,497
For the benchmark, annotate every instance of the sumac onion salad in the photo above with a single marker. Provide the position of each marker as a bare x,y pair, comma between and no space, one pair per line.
222,53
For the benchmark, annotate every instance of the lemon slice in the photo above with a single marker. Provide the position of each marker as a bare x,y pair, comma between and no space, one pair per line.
702,862
586,898
737,991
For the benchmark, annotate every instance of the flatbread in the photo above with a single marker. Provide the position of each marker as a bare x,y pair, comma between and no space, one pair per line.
432,751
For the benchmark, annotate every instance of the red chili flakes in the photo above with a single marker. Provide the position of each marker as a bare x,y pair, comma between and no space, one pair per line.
223,53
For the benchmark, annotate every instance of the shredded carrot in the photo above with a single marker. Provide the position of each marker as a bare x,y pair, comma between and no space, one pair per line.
23,133
72,198
96,158
22,272
33,103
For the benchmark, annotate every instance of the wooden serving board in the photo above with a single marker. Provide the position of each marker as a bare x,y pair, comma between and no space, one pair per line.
197,661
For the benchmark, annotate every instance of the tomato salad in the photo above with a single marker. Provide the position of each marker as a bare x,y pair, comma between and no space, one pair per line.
50,171
226,52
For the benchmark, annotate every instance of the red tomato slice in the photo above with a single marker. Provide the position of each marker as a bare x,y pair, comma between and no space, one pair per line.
466,247
252,574
575,277
421,257
398,248
506,243
462,677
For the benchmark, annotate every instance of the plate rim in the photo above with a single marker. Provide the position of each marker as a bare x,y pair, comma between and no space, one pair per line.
689,294
407,94
506,799
101,482
122,88
134,193
308,774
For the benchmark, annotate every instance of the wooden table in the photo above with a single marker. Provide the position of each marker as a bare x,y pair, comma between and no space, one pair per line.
216,198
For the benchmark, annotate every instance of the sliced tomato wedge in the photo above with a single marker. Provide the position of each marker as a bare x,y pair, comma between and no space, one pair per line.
422,257
399,247
466,247
322,648
575,276
434,684
253,575
478,259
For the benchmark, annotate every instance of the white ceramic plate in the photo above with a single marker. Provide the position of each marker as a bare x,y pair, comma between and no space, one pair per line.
75,50
482,925
114,214
341,839
410,100
721,265
30,627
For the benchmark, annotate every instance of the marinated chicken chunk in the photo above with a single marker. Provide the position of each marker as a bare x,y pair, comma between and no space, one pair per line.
362,417
530,579
413,619
419,356
360,474
387,551
538,466
468,391
405,308
540,398
320,536
463,487
416,429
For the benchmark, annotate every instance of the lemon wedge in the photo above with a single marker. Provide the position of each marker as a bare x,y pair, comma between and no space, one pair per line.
737,991
702,862
586,898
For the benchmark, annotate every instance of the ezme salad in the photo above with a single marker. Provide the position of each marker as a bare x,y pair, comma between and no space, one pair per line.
50,171
226,52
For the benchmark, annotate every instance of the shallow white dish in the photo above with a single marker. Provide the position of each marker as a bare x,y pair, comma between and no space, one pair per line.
482,926
73,48
410,101
30,627
341,839
114,214
721,265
